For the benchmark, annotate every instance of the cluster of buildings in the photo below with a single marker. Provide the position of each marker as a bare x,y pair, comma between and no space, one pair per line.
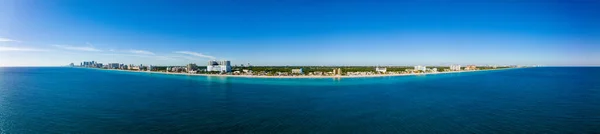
420,69
94,64
212,66
91,64
177,69
224,67
338,71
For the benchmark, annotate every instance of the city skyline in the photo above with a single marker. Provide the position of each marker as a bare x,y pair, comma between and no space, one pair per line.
279,33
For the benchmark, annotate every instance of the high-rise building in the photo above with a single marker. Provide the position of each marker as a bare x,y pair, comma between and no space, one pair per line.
149,68
113,65
91,64
191,67
337,71
422,68
220,66
455,67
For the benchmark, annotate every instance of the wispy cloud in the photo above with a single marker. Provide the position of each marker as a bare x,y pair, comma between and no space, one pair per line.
78,48
124,54
19,49
141,52
8,40
167,58
183,57
195,54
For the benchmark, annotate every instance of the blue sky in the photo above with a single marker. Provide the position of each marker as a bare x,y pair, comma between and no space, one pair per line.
303,32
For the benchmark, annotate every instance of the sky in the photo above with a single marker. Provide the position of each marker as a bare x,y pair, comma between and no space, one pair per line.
300,32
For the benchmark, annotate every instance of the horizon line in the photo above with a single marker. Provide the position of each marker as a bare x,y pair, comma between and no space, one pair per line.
338,65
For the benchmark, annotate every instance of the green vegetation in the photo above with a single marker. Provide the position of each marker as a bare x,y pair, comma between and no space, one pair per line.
271,70
160,68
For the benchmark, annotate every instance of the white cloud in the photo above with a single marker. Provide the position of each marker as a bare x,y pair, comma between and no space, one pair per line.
19,49
183,57
195,54
133,55
165,58
7,40
78,48
141,52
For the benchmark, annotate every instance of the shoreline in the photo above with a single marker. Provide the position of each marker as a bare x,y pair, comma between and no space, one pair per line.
300,77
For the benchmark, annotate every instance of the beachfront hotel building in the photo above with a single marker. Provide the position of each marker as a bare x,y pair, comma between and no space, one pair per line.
471,67
337,71
455,67
381,69
220,66
297,71
422,68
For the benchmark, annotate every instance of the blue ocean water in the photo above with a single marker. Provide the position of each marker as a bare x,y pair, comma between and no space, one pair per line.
76,100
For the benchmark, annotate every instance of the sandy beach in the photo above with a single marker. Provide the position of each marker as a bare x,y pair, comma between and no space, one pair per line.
305,76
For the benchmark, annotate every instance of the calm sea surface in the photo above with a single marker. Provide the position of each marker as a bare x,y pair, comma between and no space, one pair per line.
75,100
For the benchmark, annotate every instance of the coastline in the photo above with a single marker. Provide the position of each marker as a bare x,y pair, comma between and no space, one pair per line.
311,77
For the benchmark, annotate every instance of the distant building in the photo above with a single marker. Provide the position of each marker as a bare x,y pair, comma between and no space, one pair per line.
113,65
149,68
93,64
317,73
297,71
455,67
220,66
421,68
175,69
337,71
72,64
471,67
191,67
381,69
246,71
134,67
432,70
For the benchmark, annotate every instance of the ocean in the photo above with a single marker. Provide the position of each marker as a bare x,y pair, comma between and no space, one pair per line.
77,100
